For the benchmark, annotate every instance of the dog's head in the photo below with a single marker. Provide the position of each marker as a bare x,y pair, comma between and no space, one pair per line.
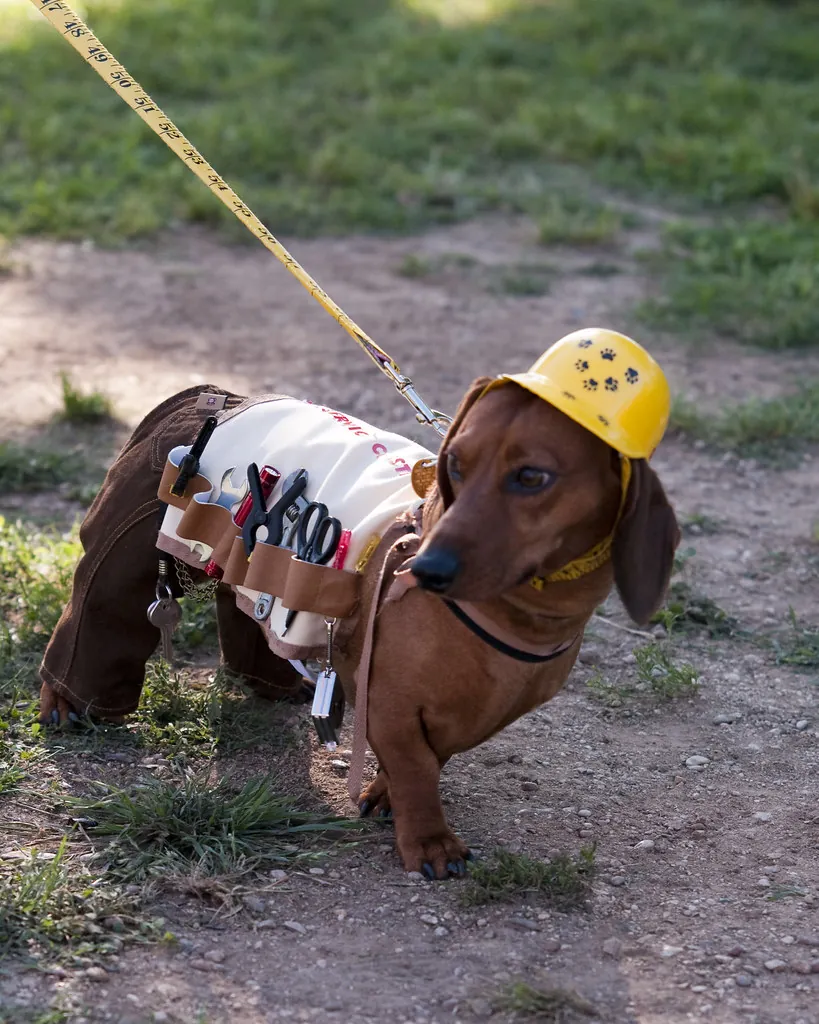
522,490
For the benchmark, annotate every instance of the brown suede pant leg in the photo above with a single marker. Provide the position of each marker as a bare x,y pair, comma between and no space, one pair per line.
96,656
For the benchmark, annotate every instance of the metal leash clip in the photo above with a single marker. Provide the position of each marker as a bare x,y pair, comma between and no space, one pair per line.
328,701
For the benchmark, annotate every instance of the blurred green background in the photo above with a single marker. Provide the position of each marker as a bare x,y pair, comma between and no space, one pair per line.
334,116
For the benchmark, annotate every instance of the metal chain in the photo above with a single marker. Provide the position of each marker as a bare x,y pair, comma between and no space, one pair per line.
199,592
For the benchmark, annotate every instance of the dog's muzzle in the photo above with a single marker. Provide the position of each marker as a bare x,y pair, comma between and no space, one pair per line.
436,569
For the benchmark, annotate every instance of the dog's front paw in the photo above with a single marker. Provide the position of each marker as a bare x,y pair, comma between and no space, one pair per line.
436,856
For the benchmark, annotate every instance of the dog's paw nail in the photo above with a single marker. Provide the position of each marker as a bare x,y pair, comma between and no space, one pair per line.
429,871
73,717
55,717
364,808
385,813
456,867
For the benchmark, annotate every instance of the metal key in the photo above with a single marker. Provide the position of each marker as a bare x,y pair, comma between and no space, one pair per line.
165,614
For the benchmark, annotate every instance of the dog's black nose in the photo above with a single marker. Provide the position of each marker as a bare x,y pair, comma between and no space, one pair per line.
436,569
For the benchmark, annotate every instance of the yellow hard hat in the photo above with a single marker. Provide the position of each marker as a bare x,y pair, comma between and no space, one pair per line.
607,383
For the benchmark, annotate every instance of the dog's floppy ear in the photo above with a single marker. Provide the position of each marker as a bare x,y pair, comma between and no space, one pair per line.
441,497
644,543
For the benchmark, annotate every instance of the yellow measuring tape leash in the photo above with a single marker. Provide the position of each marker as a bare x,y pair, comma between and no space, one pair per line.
72,28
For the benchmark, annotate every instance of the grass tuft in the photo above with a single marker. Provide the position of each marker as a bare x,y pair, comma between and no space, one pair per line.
52,907
753,281
571,220
564,882
187,826
758,428
662,676
80,408
687,611
32,468
800,646
546,1005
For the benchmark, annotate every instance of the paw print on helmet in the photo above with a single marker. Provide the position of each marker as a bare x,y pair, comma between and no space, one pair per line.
611,384
586,343
631,375
608,353
582,365
590,384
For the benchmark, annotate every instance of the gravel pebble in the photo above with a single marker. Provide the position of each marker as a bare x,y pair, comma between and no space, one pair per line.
524,924
776,965
696,761
551,946
206,965
216,956
669,951
278,875
528,787
480,1007
802,724
617,880
584,812
808,940
415,876
645,844
744,980
440,931
726,718
613,947
429,919
317,871
254,904
295,926
96,974
762,815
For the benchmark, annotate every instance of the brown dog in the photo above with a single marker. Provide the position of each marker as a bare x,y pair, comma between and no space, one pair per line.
521,491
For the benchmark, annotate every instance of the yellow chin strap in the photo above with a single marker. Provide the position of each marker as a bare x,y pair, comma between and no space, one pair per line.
601,552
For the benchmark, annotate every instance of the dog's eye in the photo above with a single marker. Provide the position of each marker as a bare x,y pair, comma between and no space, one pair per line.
530,480
453,468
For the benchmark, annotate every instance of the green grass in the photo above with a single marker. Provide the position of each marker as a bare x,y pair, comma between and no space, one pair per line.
377,115
36,569
83,408
753,281
548,1005
52,908
572,220
190,826
686,611
799,646
767,429
658,676
564,882
36,468
662,676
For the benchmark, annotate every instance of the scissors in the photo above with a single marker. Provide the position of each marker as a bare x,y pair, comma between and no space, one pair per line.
274,519
317,538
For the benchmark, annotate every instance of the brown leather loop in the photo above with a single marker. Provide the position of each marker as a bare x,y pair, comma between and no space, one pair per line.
207,524
237,565
169,475
320,588
268,569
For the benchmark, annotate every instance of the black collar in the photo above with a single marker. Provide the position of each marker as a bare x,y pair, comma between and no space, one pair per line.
499,645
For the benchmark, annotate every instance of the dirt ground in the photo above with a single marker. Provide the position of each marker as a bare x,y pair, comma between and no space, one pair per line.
716,918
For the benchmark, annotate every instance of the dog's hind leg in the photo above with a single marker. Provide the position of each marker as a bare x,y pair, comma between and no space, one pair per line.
95,660
245,652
